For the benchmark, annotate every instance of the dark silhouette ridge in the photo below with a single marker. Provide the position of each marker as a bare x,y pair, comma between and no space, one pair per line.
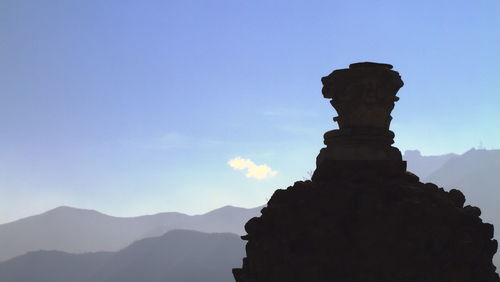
177,256
78,231
363,217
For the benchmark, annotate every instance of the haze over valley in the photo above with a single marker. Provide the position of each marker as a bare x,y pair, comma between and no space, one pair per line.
96,247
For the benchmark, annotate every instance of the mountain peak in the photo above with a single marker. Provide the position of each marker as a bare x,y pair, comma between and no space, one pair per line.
64,208
67,210
473,150
412,153
228,209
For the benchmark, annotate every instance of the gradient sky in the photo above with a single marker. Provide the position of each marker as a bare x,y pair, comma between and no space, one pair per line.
136,107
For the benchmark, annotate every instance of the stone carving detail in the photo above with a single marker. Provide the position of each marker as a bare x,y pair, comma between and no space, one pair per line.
363,217
363,95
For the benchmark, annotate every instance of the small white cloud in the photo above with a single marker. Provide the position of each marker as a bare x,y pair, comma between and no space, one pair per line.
252,170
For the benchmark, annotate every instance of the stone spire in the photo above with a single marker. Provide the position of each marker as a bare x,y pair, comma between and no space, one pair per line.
363,96
363,217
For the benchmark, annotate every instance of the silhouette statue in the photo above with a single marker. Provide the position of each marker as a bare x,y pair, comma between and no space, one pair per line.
363,217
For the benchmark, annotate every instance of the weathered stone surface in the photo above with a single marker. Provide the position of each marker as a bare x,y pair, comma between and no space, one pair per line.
367,229
363,96
363,217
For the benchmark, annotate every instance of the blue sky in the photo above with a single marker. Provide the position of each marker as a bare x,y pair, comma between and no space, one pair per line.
136,107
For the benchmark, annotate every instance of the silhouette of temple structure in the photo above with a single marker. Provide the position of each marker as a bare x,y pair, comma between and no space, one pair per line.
363,217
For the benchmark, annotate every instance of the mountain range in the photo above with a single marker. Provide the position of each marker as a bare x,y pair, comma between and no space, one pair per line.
177,256
423,166
78,231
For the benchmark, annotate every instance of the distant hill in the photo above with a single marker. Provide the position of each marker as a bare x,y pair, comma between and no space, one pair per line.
52,266
177,256
477,174
78,231
423,166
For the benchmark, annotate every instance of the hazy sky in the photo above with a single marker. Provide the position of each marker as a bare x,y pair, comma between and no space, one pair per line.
135,107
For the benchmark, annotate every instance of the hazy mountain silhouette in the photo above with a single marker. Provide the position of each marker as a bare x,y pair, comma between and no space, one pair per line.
177,256
77,231
477,174
423,166
52,266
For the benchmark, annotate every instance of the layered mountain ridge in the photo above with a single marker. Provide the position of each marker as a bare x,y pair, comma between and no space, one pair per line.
75,230
476,173
177,256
